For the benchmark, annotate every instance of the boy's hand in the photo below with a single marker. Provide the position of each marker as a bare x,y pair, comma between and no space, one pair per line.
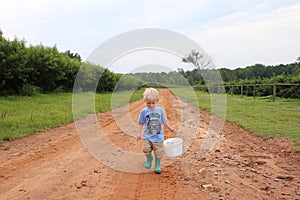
173,130
139,136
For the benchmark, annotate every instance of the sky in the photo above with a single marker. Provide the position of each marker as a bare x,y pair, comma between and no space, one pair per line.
234,33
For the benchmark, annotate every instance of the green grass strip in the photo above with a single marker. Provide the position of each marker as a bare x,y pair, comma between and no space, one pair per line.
261,115
22,116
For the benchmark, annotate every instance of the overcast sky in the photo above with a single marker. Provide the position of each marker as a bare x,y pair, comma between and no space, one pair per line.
235,33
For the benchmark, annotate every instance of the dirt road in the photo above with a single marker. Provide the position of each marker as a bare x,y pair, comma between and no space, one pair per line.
55,165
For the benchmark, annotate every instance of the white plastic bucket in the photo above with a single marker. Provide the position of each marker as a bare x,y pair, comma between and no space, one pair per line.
173,147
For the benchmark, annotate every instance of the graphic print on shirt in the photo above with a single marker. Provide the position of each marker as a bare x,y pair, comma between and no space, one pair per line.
153,123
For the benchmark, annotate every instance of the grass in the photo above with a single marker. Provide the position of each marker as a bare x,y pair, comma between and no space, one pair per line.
261,115
22,116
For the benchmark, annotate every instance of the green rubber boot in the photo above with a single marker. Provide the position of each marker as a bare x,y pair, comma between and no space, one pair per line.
148,163
157,166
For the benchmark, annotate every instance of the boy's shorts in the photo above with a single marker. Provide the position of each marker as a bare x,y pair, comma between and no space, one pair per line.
157,147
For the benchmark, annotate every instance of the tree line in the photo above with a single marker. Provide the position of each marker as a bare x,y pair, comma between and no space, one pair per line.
39,69
260,75
257,74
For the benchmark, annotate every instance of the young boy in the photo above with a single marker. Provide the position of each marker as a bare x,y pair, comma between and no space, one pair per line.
151,118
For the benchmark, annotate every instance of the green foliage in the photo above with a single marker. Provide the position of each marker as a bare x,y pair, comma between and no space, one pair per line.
128,82
51,68
40,69
30,90
13,70
29,70
72,55
257,74
289,73
92,77
88,77
107,81
170,79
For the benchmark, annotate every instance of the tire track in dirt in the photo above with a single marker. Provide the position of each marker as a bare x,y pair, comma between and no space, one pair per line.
55,165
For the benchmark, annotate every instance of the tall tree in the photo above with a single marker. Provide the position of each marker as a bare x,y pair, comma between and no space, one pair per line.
13,71
199,60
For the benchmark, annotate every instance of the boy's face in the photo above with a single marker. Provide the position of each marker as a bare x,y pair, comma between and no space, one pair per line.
151,104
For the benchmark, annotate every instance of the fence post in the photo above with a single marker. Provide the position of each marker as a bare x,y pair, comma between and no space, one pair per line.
254,91
241,90
231,90
274,92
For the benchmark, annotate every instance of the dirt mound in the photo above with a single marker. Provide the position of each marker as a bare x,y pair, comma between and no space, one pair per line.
56,165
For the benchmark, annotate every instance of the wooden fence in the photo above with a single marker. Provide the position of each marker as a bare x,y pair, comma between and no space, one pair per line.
220,88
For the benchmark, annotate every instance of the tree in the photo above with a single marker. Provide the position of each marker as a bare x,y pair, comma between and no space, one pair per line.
13,71
72,55
200,61
107,81
227,74
49,67
128,82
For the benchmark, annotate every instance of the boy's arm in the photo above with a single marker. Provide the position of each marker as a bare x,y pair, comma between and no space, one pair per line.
169,127
140,131
165,123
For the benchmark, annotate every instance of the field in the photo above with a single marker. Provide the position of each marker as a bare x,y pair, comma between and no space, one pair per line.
261,115
58,164
22,116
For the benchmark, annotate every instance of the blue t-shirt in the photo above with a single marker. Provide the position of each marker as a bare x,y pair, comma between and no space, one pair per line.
153,120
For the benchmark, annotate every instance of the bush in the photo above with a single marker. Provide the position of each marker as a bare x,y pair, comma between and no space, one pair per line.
30,90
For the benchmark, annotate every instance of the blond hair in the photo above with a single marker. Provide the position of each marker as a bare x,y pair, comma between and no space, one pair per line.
151,94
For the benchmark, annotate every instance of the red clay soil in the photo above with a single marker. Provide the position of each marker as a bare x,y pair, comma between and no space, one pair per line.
55,165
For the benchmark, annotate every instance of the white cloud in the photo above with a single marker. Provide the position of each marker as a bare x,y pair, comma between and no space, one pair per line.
269,38
236,33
